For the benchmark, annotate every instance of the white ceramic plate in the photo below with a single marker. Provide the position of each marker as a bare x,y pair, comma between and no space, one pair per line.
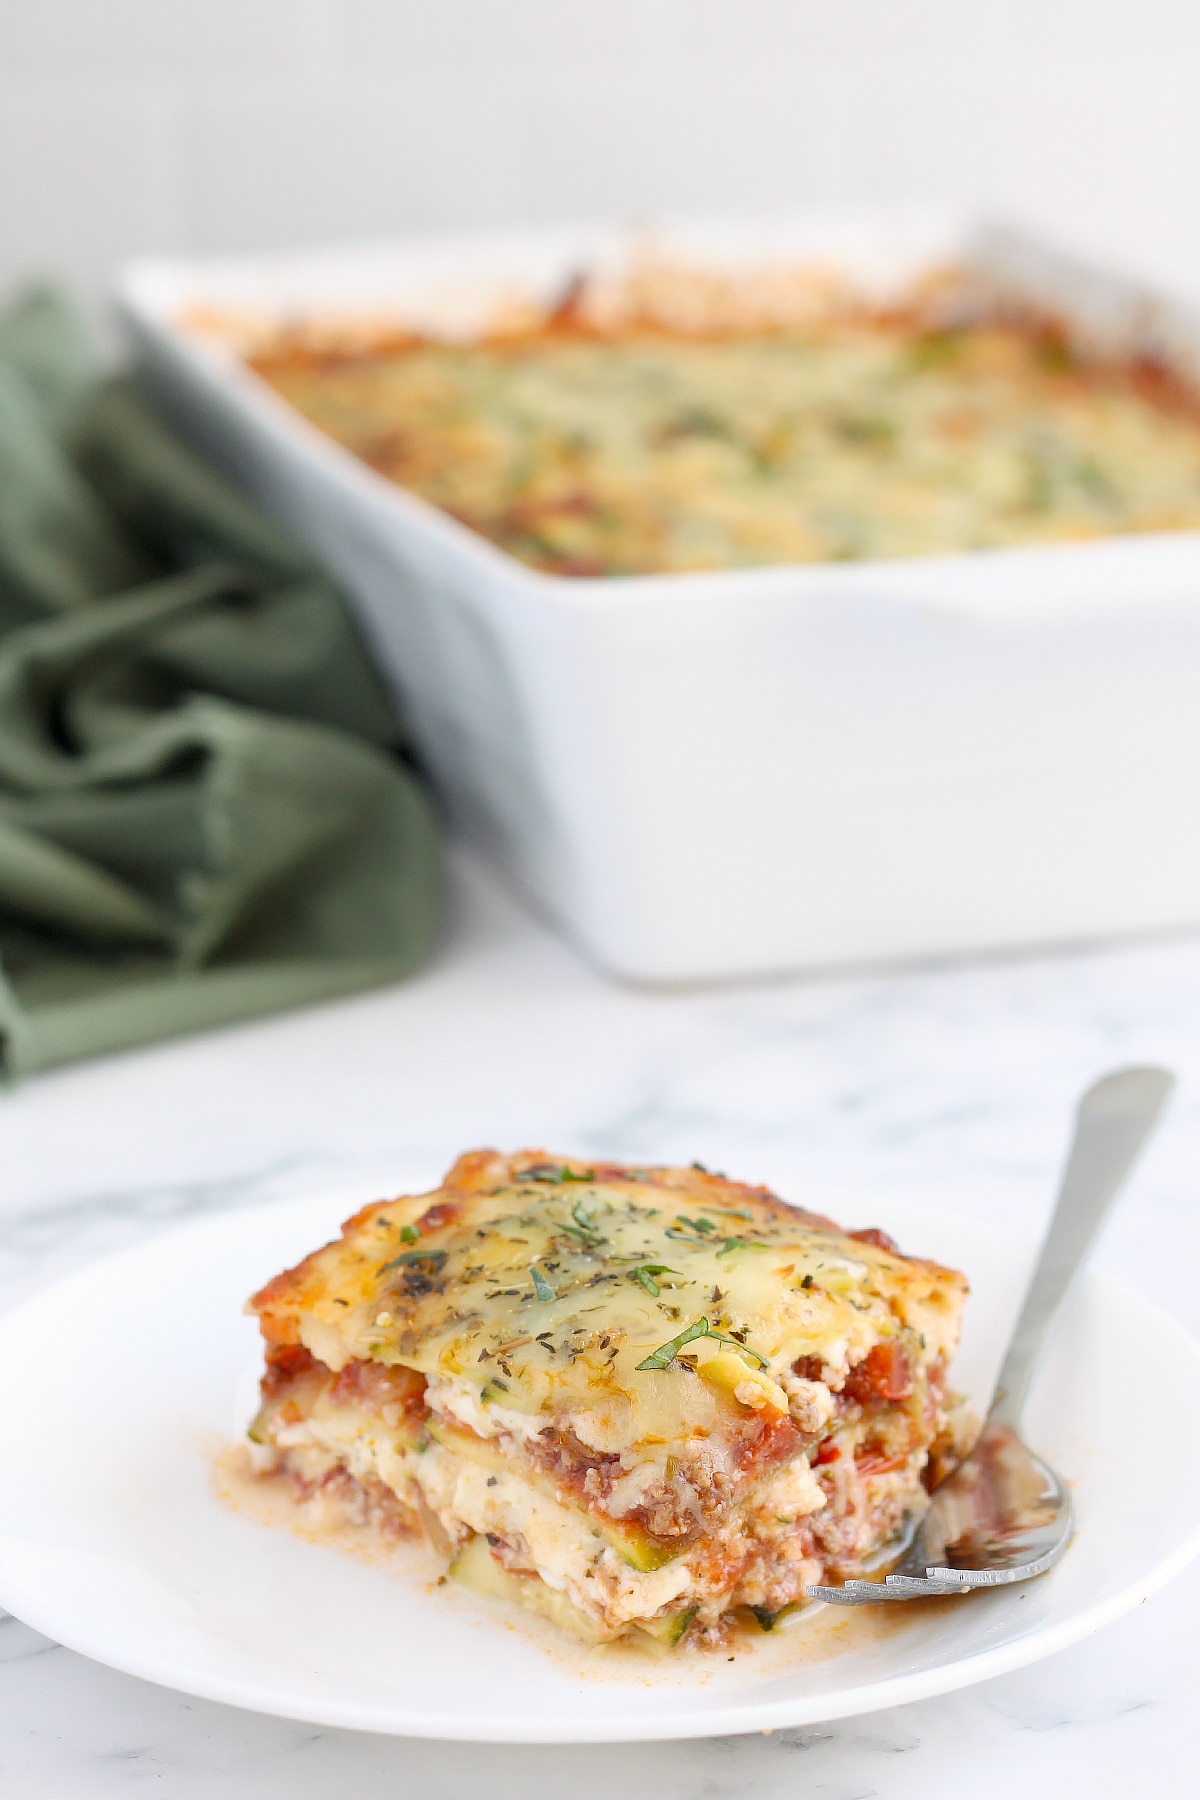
117,1385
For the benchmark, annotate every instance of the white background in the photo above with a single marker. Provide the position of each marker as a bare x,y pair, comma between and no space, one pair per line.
199,125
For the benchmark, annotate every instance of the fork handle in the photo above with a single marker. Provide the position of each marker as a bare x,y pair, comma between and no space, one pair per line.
1113,1121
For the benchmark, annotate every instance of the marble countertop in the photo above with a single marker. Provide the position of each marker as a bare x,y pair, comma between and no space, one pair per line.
953,1084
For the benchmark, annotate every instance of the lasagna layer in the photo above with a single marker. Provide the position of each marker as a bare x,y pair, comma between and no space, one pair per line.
629,1397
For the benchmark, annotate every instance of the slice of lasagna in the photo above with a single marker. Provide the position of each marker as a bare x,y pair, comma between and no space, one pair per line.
632,1398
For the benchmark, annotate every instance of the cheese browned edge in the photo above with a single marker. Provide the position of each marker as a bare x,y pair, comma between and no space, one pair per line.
632,1397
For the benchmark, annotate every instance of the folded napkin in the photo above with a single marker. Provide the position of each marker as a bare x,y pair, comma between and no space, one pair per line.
202,812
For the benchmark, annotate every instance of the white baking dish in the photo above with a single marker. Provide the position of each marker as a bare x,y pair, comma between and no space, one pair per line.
734,773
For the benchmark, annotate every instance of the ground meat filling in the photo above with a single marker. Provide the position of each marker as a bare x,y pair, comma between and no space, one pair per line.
870,1434
342,1498
696,1496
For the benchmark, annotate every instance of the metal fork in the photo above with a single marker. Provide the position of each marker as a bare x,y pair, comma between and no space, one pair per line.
1004,1515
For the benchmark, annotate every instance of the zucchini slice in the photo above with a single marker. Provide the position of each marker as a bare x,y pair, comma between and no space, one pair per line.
477,1569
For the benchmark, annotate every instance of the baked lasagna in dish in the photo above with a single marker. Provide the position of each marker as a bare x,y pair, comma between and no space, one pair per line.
637,1400
681,421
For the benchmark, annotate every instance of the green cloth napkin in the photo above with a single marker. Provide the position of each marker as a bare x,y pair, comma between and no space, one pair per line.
202,815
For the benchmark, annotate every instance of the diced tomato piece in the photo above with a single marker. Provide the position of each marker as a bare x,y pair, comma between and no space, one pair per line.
885,1373
827,1452
764,1442
869,1460
444,1212
287,1363
291,1359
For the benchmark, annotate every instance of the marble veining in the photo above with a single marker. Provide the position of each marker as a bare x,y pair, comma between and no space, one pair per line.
951,1084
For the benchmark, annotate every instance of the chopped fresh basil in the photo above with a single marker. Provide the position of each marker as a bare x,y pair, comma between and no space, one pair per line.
541,1286
588,1239
409,1234
737,1345
436,1257
741,1243
665,1355
583,1219
645,1273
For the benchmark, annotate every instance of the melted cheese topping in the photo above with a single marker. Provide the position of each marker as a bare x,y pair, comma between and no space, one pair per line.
643,1308
589,448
